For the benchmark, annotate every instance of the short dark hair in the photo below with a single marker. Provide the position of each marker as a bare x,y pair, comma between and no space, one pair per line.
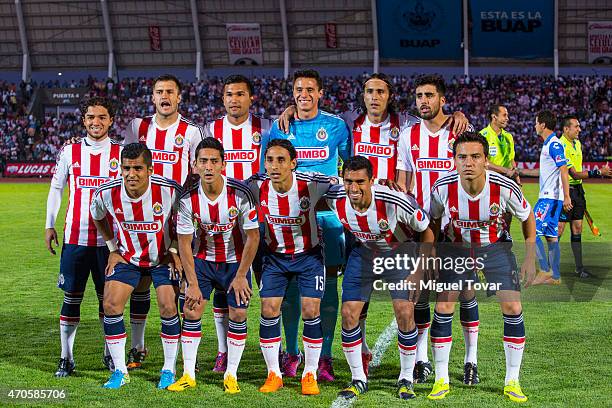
168,77
308,73
356,163
98,101
567,120
547,118
435,80
285,144
239,79
494,110
385,78
467,137
135,150
210,143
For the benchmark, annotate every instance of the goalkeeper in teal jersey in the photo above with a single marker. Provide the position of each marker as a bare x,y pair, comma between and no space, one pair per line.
320,139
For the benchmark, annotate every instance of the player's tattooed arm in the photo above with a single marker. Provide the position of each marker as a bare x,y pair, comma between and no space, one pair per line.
285,118
193,295
528,270
460,123
240,284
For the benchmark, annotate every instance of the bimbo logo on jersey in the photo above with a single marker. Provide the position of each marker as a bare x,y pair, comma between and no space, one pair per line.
281,220
471,224
434,164
90,181
217,228
368,236
141,226
246,156
163,156
373,149
312,153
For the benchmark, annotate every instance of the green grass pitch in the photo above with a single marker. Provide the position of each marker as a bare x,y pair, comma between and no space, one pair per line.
566,361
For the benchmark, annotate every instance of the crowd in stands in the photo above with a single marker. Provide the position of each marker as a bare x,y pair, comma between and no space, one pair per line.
24,138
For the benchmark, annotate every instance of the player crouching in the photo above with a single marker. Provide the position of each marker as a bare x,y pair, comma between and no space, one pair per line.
222,212
381,221
142,206
474,201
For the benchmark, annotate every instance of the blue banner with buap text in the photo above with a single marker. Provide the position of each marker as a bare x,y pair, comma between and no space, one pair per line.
512,29
419,29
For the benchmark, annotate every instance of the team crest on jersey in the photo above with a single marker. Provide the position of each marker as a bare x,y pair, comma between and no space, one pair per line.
322,135
233,212
451,144
494,210
157,209
256,138
304,203
179,141
395,133
383,225
113,165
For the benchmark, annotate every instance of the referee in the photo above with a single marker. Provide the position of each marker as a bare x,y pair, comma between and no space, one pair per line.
501,148
573,152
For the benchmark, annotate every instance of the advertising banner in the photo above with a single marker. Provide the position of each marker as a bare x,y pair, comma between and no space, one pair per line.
512,29
419,29
600,42
40,169
244,44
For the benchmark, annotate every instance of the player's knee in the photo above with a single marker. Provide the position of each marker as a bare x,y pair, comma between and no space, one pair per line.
269,310
511,308
195,313
167,308
404,314
350,317
445,307
310,308
112,306
238,315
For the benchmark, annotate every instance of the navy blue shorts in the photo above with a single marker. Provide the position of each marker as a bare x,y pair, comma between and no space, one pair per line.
495,265
360,279
218,276
76,262
131,274
547,213
306,267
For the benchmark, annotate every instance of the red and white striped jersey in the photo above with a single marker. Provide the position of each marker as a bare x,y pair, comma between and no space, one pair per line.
242,144
221,223
173,148
290,218
378,142
427,155
85,166
391,218
144,223
477,220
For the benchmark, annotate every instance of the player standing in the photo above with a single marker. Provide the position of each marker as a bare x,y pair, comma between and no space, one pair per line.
553,198
573,152
474,200
287,203
172,140
320,139
380,219
223,213
83,167
425,154
242,135
142,206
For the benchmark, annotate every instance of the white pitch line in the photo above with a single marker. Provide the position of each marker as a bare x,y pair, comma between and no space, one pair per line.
382,344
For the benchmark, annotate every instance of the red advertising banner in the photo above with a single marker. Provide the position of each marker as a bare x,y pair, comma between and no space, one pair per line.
155,38
331,35
40,169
